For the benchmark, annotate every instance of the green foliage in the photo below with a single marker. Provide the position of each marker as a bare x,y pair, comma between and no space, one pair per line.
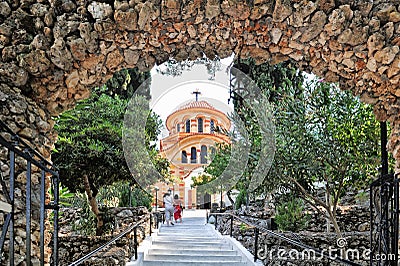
276,83
175,68
125,82
202,180
86,224
90,142
123,194
140,198
240,199
333,138
220,160
64,196
115,195
325,137
243,227
290,215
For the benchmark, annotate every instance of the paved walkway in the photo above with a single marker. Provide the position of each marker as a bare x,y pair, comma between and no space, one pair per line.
194,216
192,242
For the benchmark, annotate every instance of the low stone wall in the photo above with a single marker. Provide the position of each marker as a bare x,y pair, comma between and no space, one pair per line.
73,246
353,221
352,218
274,251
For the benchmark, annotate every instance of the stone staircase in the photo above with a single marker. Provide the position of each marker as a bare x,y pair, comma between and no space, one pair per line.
191,243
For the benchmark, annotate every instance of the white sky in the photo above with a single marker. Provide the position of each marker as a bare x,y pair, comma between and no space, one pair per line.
168,93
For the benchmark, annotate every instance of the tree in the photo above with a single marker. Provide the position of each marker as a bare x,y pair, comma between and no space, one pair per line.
328,140
325,138
175,68
274,82
89,150
208,182
255,84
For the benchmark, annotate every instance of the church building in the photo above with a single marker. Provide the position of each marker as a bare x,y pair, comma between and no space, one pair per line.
193,131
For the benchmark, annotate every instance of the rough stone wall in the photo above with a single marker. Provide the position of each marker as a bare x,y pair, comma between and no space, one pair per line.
73,246
34,125
350,219
54,52
58,51
354,218
273,251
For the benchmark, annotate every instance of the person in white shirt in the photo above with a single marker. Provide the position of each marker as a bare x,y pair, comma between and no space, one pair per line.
169,208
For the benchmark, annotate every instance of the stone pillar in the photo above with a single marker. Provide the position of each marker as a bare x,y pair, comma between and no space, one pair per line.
35,127
394,142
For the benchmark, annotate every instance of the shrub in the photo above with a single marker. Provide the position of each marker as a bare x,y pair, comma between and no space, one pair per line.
290,215
240,199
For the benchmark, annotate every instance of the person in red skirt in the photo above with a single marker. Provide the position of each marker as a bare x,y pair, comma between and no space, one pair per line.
177,209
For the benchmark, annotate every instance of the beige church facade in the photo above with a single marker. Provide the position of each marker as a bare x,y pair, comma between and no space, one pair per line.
194,129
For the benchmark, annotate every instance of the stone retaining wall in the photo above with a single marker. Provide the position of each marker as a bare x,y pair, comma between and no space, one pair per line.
354,218
350,219
274,251
73,246
35,126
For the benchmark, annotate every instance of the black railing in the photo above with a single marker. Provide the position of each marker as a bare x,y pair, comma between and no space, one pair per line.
159,217
124,233
384,204
258,229
384,238
17,147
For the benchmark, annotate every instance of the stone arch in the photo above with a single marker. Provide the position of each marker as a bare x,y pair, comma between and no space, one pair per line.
54,52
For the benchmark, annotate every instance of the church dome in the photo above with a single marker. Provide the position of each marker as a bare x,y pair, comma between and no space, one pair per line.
196,104
195,109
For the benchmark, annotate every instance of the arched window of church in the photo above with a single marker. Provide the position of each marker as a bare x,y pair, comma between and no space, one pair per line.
193,155
212,126
200,125
203,154
178,128
188,126
184,157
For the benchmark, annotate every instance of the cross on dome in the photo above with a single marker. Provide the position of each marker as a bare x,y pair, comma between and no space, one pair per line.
197,93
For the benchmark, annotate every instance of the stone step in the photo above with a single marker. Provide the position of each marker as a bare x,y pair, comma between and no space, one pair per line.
185,225
219,246
192,243
193,258
177,228
186,238
191,231
193,263
185,232
216,242
173,233
187,241
195,251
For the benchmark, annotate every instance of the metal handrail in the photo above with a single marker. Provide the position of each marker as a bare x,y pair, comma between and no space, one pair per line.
18,147
120,235
42,161
160,217
257,228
